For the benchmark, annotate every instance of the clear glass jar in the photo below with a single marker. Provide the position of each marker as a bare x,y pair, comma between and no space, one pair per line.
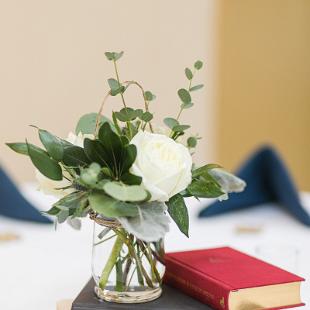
126,269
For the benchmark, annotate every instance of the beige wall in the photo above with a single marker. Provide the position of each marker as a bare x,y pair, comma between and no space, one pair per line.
265,81
53,67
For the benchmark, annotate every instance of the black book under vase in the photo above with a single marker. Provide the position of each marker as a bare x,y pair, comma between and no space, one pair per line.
169,300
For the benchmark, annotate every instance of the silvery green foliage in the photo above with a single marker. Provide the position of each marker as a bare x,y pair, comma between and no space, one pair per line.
151,224
74,223
229,183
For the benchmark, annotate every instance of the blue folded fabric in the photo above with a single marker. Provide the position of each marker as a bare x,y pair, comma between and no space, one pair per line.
14,205
268,180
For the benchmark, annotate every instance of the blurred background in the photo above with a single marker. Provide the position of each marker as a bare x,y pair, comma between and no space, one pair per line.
257,69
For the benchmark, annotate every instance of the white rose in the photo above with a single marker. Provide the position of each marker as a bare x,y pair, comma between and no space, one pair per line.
164,165
51,187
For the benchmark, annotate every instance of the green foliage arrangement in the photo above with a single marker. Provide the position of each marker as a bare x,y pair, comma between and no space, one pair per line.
126,170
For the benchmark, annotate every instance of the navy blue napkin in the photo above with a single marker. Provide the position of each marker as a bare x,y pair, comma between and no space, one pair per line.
14,205
268,180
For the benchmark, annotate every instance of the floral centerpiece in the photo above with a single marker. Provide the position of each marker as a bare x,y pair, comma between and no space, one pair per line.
130,177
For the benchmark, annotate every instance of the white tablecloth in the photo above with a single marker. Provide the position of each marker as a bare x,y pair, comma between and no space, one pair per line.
47,265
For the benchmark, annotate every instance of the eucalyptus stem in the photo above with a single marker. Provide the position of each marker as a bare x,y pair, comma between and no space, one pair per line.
127,269
118,80
122,96
136,257
148,254
133,272
111,262
119,276
104,240
146,104
189,87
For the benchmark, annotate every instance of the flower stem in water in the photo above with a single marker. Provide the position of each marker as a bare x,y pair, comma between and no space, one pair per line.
111,262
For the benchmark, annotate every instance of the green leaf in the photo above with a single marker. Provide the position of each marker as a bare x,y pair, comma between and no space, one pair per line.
117,56
188,73
178,212
204,169
74,156
74,223
87,123
131,179
146,116
196,87
53,211
110,207
112,145
186,105
52,144
89,176
127,114
62,216
114,84
116,125
70,201
139,112
19,147
184,95
151,224
198,64
180,128
129,155
192,142
96,153
46,165
205,188
171,122
125,192
125,140
116,87
109,55
149,96
113,55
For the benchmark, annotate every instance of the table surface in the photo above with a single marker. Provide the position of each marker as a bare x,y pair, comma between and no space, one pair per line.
45,265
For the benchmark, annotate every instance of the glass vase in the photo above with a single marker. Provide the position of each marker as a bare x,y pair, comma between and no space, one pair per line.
125,268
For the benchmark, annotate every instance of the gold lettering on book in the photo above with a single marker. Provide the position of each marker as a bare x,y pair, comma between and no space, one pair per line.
191,286
222,302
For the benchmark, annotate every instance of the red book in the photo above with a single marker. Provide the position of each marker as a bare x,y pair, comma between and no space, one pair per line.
227,279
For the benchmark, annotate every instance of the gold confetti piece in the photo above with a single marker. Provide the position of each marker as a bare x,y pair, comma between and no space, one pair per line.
243,229
8,236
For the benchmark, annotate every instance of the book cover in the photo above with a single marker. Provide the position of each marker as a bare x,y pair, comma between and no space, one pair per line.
227,279
171,299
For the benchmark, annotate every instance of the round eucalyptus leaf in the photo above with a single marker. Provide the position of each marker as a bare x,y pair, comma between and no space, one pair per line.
87,123
110,207
192,142
171,122
180,128
196,87
188,73
184,95
198,64
124,192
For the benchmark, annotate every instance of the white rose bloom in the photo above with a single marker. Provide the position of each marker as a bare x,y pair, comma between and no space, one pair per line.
51,187
164,165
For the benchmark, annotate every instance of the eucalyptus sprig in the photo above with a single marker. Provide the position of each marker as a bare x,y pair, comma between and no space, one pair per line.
184,95
98,171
